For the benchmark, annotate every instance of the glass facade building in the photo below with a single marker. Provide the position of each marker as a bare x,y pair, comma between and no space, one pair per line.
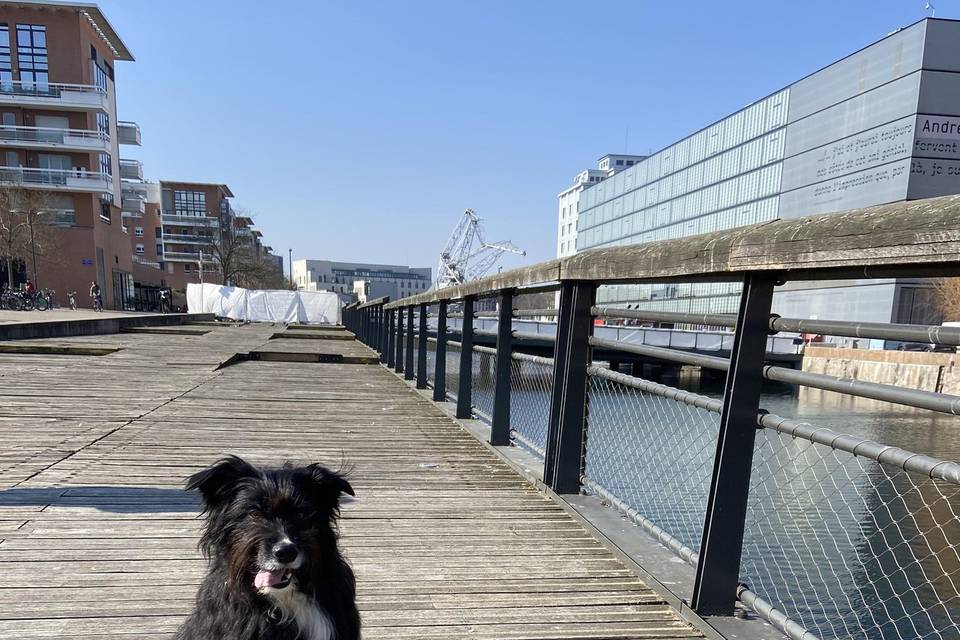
875,127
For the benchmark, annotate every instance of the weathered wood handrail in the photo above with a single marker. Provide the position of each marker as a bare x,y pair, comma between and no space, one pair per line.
920,235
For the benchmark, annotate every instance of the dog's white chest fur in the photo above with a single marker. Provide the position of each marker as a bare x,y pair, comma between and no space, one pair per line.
313,622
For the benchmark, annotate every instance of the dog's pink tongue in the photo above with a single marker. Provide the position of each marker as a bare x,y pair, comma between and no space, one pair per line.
267,578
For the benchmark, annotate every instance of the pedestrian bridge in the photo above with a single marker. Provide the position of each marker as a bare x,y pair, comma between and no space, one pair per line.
503,495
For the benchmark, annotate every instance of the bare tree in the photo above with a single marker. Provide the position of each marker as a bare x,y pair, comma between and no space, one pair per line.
27,229
238,260
948,298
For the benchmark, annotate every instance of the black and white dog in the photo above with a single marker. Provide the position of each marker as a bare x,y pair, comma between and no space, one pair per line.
275,570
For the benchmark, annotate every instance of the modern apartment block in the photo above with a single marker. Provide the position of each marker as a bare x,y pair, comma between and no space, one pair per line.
569,198
881,125
192,217
380,280
60,136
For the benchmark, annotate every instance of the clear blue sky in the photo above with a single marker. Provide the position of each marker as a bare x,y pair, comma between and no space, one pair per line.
360,131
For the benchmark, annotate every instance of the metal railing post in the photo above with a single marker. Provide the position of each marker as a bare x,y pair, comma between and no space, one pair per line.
377,329
391,338
718,569
500,427
408,353
383,334
422,349
465,382
364,320
563,462
440,362
398,343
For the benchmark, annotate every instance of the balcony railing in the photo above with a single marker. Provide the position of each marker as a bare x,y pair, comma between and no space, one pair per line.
203,221
80,97
128,133
45,137
148,263
191,238
187,256
131,169
58,179
133,206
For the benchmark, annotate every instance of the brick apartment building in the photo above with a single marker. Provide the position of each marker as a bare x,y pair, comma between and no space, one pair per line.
60,135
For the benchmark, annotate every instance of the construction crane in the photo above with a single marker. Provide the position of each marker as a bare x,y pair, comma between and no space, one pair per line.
467,256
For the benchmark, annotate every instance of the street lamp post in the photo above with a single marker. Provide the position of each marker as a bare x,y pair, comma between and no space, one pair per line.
290,263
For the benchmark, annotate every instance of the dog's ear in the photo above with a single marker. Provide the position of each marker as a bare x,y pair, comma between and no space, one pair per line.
330,482
218,482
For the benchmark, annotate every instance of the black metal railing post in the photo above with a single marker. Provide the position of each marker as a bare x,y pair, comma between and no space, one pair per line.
718,569
377,329
364,321
500,423
440,362
563,462
398,342
408,371
465,382
391,338
422,349
383,336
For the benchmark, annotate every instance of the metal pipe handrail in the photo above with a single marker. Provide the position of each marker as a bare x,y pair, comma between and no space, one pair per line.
932,334
707,319
774,616
527,357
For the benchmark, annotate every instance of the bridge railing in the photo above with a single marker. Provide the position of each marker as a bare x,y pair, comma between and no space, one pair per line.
823,534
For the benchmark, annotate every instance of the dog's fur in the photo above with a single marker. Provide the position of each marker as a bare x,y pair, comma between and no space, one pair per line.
250,512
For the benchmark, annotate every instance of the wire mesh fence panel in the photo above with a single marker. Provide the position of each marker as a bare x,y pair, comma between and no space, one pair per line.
850,548
431,361
531,383
652,453
484,371
452,377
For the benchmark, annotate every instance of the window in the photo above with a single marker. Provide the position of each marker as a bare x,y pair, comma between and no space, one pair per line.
619,163
139,248
190,203
6,70
138,231
11,159
186,268
32,55
105,211
106,166
159,249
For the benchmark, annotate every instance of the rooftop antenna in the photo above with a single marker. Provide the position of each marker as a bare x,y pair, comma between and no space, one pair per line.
932,9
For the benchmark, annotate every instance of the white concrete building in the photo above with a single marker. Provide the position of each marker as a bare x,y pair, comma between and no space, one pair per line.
392,280
569,199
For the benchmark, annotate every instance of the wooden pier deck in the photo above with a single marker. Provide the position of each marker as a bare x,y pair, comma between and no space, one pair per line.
97,539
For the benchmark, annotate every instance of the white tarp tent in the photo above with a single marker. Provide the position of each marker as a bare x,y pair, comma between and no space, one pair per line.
316,307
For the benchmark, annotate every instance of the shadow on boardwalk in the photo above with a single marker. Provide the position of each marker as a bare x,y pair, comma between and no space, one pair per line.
120,499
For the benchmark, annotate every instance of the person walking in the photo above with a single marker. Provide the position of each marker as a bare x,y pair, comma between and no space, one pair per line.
95,295
164,301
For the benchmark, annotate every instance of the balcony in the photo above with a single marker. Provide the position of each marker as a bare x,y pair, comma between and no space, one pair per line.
132,206
81,140
138,259
189,221
131,170
183,256
57,179
192,238
51,95
128,133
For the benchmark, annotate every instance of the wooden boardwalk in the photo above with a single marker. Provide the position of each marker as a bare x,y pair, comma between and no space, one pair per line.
97,539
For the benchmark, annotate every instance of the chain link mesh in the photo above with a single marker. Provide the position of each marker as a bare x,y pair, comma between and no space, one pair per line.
531,384
452,377
484,373
653,453
850,548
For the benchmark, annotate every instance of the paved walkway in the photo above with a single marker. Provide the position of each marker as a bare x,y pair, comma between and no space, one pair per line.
97,539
